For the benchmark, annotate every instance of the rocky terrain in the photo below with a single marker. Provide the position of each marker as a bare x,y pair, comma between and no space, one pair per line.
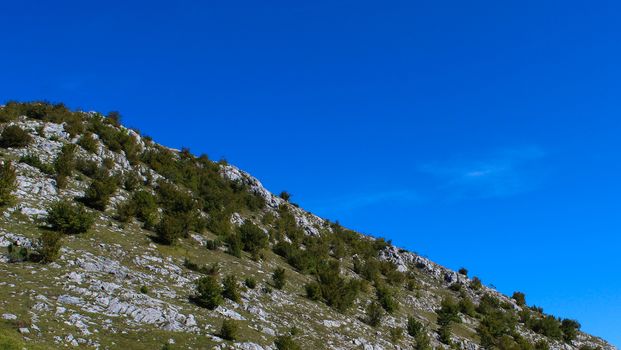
117,286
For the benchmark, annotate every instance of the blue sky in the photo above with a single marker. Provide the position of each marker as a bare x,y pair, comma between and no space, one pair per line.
482,134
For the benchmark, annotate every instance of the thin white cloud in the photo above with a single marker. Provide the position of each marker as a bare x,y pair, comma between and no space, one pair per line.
504,173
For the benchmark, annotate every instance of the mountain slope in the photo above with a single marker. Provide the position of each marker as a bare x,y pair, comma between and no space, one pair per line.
158,220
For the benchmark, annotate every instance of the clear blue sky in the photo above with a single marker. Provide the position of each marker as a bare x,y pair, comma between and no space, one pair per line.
483,134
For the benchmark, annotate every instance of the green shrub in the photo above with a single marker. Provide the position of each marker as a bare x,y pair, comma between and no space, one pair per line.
285,195
463,271
396,334
229,330
475,283
231,289
494,325
253,238
447,313
519,298
570,329
146,207
8,184
125,211
99,192
313,291
69,218
64,164
414,327
49,246
286,342
386,298
17,253
88,142
234,245
466,306
208,292
34,161
170,229
250,282
14,137
213,244
131,181
279,278
144,290
374,314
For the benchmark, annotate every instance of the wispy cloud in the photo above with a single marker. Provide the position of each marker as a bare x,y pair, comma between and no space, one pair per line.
503,173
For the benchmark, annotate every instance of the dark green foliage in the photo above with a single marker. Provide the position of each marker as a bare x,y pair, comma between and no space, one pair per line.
125,211
396,334
570,329
250,282
69,218
253,238
208,292
213,244
234,245
99,192
144,290
418,331
286,342
17,253
231,289
385,297
520,298
131,181
15,137
374,314
146,207
488,304
279,278
476,283
89,168
169,229
548,326
88,142
229,330
34,161
7,183
212,270
313,291
447,313
113,118
180,208
285,195
64,164
55,113
494,325
414,327
49,246
333,289
466,306
463,271
543,345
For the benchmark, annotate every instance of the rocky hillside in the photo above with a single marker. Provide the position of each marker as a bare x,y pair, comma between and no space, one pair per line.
111,241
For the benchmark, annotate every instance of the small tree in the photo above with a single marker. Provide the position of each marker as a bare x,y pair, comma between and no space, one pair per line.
229,330
279,278
386,298
234,245
99,192
253,238
250,282
14,137
7,184
285,195
463,271
69,218
49,246
88,142
64,164
447,313
231,290
286,342
169,229
208,292
570,329
375,313
414,327
520,298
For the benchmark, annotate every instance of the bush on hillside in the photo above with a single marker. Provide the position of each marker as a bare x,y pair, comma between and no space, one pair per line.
98,194
170,229
34,161
253,238
231,289
286,342
14,137
49,246
374,314
234,245
250,282
208,292
520,298
88,142
64,164
69,218
229,330
8,184
279,278
385,296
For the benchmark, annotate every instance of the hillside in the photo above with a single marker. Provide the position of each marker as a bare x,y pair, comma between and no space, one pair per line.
113,241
